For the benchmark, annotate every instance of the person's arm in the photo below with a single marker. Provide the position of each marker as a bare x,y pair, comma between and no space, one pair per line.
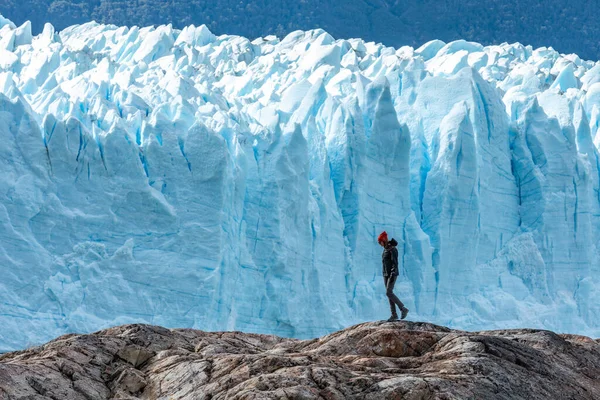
394,261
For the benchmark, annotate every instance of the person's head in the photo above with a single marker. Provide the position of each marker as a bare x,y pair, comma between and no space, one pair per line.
383,239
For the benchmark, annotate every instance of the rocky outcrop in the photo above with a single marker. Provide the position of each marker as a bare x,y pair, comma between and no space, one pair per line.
375,360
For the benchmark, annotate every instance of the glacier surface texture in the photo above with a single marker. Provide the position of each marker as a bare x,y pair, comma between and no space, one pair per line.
184,179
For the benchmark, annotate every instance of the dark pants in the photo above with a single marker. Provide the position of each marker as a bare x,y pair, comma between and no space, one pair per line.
390,281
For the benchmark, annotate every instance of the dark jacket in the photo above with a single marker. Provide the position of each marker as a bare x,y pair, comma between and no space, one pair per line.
389,259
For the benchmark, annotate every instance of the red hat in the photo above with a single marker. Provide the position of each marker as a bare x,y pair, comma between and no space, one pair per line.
382,236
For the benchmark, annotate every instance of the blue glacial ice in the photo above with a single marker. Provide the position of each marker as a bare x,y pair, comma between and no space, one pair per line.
186,179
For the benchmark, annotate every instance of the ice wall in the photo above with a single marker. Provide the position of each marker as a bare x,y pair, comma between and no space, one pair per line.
183,179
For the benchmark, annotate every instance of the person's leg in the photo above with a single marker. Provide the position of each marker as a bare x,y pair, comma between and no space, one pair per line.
386,281
391,296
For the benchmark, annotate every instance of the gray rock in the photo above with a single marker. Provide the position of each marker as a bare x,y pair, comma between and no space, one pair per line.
375,360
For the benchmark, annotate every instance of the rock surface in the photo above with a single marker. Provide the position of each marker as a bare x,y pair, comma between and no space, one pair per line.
375,360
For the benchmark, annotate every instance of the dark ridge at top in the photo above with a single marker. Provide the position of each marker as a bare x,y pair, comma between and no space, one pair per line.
569,27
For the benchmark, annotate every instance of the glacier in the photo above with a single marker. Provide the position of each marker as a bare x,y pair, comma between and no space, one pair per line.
184,179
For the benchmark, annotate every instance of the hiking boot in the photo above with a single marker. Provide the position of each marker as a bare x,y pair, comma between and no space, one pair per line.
392,318
404,312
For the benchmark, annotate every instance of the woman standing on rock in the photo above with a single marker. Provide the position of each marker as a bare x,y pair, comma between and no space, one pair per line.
389,259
